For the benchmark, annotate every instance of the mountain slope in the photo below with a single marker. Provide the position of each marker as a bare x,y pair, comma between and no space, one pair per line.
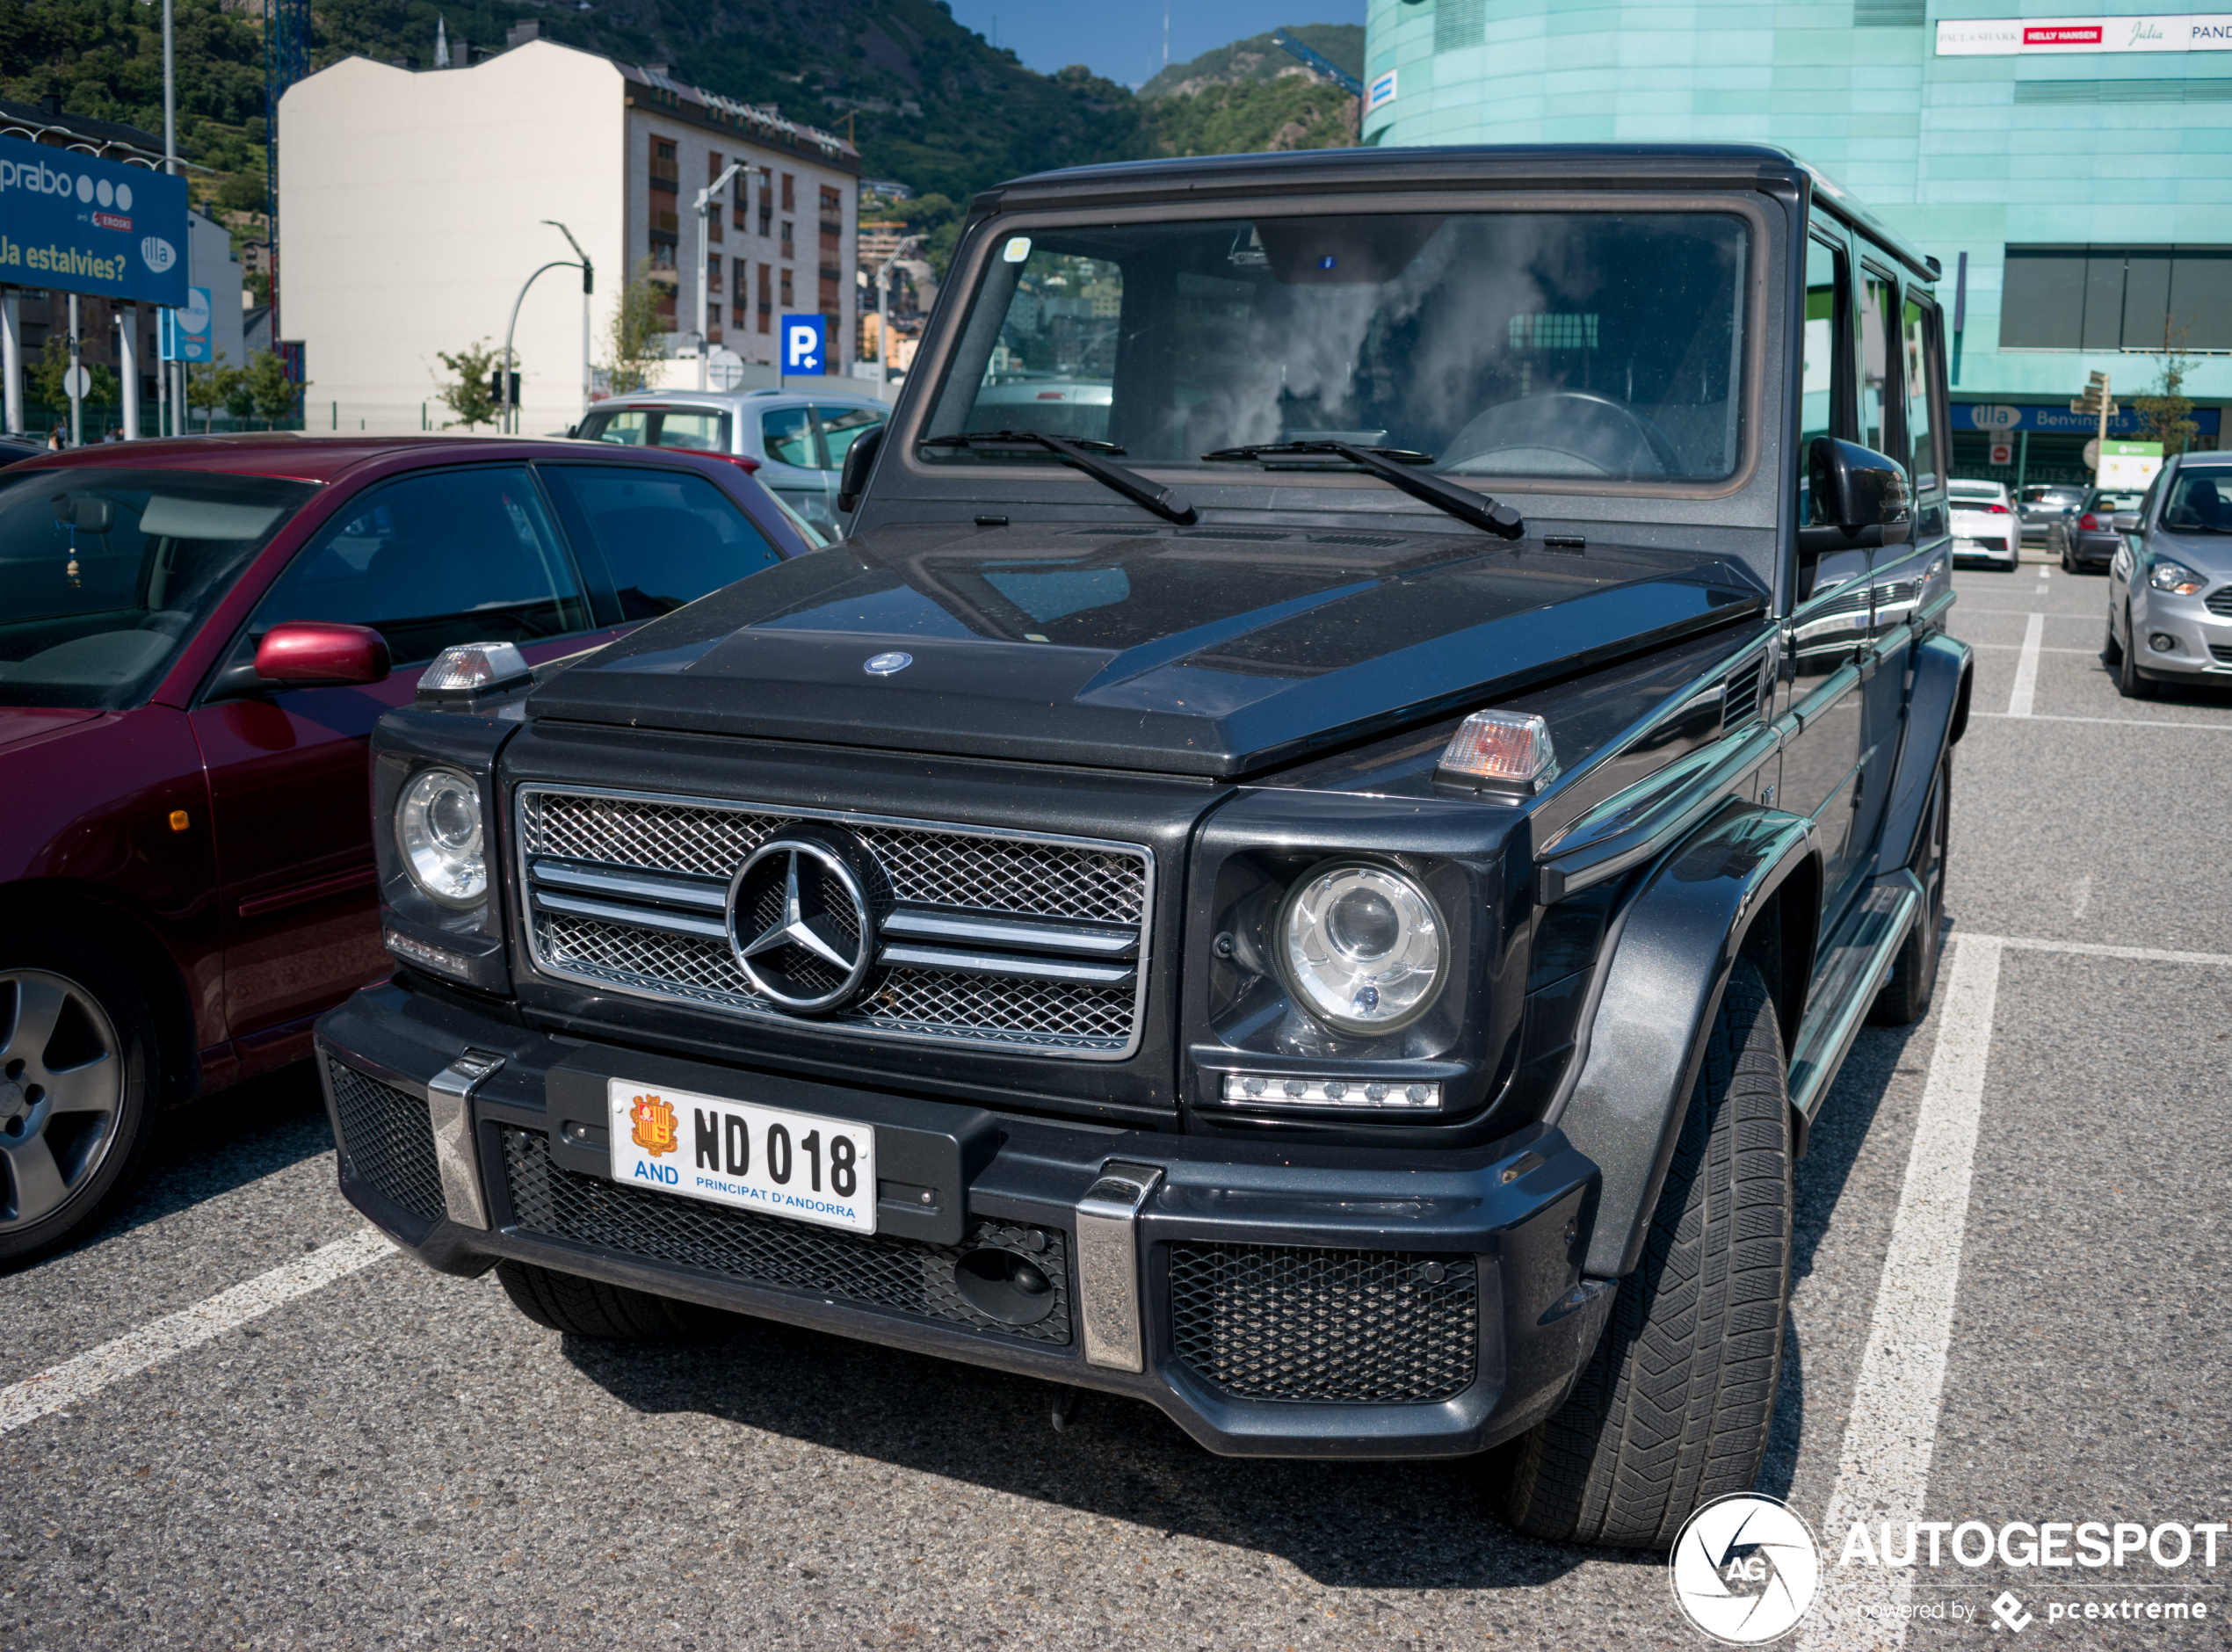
1257,58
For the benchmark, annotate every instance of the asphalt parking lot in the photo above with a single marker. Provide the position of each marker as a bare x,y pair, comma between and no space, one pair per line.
2014,1264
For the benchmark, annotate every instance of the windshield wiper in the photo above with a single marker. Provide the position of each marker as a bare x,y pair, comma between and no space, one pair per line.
1393,465
1079,452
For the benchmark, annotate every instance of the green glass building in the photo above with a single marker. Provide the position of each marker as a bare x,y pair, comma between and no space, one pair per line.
2073,175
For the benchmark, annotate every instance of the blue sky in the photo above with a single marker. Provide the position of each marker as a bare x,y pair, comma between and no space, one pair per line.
1123,39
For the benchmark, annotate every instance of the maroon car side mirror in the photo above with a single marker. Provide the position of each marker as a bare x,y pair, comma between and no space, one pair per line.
302,652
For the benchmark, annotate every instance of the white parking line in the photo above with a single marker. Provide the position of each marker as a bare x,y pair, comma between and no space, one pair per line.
1891,1431
2011,647
2026,668
2119,722
166,1339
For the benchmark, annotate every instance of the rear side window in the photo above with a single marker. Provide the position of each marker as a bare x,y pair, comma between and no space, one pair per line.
700,430
654,539
842,426
791,437
436,560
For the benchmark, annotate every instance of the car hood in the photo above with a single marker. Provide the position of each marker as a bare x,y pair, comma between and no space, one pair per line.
2209,554
1208,651
25,723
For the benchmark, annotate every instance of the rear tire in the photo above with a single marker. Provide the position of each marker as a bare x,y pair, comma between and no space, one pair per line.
79,1065
1905,998
2131,682
577,1307
1673,1409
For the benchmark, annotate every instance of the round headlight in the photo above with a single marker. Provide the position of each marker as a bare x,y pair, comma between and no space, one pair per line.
437,828
1362,947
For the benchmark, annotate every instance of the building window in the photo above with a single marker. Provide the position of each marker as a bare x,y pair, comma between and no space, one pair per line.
786,239
766,220
2116,298
767,302
665,172
787,300
790,193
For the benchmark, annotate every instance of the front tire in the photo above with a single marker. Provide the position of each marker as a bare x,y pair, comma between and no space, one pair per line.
577,1307
78,1067
2131,682
1673,1409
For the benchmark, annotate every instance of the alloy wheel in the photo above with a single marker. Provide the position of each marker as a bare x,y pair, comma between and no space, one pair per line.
61,1085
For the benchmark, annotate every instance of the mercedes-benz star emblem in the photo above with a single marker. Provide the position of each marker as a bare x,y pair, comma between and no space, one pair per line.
885,665
803,923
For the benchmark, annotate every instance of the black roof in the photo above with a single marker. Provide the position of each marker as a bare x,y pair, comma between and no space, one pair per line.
29,120
1652,166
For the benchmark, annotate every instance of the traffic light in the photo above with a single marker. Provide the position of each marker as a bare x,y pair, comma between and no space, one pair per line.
497,387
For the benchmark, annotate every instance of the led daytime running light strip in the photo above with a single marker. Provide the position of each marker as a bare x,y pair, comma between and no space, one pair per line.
1280,1089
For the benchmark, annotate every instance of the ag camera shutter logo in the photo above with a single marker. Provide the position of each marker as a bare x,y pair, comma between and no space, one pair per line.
1745,1569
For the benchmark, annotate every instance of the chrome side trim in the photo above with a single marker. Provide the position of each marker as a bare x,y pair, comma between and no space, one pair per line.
449,1111
1650,817
1108,1273
1003,964
711,928
1853,970
925,924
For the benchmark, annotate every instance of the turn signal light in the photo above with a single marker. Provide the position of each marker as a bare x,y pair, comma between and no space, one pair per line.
1502,752
472,669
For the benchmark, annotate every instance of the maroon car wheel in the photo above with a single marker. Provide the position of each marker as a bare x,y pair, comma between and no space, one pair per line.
76,1073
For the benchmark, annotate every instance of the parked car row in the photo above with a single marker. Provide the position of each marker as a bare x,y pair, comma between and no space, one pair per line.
2045,504
196,639
1984,524
2170,578
2086,537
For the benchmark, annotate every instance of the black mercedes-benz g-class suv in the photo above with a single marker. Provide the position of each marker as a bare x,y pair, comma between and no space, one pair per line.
1384,719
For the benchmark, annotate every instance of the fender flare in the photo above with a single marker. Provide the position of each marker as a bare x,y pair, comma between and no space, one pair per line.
1937,717
1659,980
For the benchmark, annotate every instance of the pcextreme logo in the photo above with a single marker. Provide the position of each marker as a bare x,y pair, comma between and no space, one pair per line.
1745,1569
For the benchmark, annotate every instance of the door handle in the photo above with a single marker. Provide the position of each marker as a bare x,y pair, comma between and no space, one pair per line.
1868,662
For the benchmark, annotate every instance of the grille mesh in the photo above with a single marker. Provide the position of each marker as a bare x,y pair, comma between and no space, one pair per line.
1346,1327
388,1140
2219,602
875,1270
959,870
993,874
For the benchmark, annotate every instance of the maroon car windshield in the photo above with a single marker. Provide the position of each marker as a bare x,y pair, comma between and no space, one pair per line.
106,574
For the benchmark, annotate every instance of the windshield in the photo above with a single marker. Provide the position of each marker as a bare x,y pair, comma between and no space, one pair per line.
2201,500
1581,345
105,573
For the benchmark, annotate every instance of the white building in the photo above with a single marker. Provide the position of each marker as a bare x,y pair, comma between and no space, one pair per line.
412,209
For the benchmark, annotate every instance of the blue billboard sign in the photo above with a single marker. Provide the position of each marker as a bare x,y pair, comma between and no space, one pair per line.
183,333
2007,418
69,221
806,340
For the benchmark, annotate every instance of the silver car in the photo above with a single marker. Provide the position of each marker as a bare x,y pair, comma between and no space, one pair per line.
2170,584
795,441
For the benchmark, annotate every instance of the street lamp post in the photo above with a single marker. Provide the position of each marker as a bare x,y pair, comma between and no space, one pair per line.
704,204
588,287
506,409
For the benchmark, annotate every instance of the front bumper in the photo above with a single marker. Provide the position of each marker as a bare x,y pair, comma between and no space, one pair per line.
1998,545
1273,1300
2200,640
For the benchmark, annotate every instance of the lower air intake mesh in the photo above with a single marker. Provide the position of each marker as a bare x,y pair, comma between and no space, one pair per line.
875,1270
388,1140
1340,1327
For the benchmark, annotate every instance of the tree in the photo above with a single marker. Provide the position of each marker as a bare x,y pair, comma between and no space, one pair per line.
2165,413
632,348
211,388
468,394
272,395
239,394
44,375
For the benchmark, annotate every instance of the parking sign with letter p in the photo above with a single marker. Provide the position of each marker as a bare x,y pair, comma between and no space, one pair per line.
805,343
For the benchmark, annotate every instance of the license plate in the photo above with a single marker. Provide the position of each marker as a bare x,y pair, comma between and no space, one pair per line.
1970,546
725,1152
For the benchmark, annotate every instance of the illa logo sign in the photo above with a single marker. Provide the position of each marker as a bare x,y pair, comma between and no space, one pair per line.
805,343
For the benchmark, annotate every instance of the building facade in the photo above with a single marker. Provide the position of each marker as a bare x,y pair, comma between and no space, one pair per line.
416,205
2073,175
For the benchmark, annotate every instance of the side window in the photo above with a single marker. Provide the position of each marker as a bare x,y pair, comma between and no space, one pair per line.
842,426
628,428
435,559
654,539
1919,373
1876,387
1826,376
788,435
700,429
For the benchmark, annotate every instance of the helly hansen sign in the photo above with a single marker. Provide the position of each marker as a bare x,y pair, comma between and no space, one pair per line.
2010,36
69,221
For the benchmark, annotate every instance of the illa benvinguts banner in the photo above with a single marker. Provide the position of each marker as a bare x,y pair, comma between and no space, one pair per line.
71,222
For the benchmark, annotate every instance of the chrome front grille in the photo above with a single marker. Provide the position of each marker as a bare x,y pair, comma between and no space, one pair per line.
1018,940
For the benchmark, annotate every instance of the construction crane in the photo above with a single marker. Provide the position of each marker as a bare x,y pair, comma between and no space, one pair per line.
1319,62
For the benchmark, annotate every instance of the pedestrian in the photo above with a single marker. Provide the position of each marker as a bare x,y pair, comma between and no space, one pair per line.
54,439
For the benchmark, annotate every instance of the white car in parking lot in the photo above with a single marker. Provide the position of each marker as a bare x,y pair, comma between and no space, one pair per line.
1984,524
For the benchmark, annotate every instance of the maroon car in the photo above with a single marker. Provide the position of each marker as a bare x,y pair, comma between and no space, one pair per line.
196,639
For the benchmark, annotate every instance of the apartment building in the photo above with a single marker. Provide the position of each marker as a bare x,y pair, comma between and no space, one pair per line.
415,205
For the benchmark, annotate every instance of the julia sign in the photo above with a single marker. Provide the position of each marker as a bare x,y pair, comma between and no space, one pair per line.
69,221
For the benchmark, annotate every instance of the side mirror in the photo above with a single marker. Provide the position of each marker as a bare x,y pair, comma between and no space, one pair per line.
852,481
304,652
2124,522
1860,497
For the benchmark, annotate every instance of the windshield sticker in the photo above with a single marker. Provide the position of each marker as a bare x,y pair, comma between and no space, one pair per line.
1017,248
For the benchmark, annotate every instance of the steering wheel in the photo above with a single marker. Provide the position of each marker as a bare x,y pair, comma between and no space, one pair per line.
1538,422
